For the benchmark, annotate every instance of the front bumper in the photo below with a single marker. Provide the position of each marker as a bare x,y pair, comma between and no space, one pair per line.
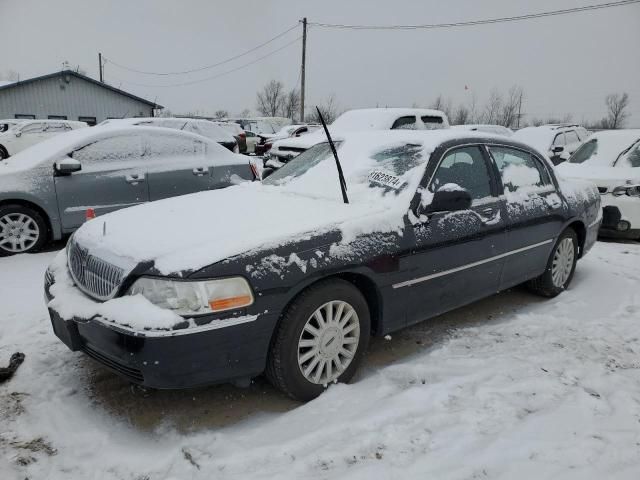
170,359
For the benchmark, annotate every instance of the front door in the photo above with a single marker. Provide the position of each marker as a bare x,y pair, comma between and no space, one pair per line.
534,213
177,165
457,256
113,176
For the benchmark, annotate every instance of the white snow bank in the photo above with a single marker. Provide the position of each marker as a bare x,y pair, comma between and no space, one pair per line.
549,390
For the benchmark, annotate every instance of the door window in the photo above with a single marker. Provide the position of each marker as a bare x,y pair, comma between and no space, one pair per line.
518,169
91,121
559,141
32,128
405,123
571,137
432,122
170,146
124,148
467,168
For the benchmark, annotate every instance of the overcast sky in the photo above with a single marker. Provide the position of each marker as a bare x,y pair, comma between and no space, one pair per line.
566,64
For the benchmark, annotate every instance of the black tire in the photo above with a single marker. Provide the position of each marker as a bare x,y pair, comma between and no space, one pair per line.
43,230
544,285
3,153
283,370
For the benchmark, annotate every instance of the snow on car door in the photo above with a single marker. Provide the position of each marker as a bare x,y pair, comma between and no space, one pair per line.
535,213
112,177
176,165
456,258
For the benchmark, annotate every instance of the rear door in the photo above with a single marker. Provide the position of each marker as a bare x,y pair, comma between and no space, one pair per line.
176,164
113,176
534,213
456,258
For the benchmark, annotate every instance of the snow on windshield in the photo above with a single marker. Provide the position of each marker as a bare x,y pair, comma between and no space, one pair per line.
603,148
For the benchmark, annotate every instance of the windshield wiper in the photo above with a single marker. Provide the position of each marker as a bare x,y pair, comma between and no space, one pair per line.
343,183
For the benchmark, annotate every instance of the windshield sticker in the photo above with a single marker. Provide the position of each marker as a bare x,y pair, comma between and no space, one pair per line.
385,179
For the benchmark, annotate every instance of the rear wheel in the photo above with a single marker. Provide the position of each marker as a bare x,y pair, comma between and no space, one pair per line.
321,339
3,153
22,230
560,267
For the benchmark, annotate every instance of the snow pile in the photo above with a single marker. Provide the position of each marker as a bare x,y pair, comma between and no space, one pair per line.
539,138
546,389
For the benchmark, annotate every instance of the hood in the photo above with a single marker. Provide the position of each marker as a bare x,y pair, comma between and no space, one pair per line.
304,141
194,231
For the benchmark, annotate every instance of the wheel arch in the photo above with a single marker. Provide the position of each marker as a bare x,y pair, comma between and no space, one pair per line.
581,231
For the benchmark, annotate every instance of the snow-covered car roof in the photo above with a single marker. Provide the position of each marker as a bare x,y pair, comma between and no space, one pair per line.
499,129
65,143
542,137
379,118
72,123
214,131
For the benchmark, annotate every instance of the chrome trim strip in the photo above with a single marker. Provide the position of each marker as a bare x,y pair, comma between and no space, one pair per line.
213,325
408,283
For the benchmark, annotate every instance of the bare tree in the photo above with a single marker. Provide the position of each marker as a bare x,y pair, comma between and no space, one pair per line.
493,108
462,115
269,101
291,104
443,104
617,104
329,111
245,113
511,107
220,114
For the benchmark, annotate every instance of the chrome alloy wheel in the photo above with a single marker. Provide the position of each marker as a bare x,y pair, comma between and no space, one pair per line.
328,342
18,232
562,262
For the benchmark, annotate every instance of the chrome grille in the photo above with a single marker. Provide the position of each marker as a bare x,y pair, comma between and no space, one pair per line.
92,275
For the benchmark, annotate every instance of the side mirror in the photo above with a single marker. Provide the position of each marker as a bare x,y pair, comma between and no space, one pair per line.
67,166
449,198
557,150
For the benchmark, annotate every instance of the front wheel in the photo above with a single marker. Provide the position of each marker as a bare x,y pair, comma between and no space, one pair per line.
321,339
3,153
22,230
560,267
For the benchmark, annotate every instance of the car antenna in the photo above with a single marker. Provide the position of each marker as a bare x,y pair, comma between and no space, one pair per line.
343,183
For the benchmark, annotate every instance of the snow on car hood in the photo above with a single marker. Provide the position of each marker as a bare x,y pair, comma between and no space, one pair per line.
193,231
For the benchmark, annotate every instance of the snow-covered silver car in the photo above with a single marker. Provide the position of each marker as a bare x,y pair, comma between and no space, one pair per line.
45,191
23,134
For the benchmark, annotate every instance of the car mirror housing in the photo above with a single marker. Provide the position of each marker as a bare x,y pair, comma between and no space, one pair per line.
67,166
450,199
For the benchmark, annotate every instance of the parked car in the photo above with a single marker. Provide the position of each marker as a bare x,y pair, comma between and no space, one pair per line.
26,133
497,129
259,125
357,121
46,190
558,142
293,280
265,141
611,159
194,125
237,132
7,123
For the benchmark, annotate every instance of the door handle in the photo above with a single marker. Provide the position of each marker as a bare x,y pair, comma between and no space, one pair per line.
489,215
135,178
200,171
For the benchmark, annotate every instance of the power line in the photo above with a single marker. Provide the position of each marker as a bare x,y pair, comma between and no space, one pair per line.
219,74
199,69
478,22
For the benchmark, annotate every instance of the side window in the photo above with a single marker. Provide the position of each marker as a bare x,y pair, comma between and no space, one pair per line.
91,121
405,123
171,147
518,169
32,128
572,137
125,148
559,140
432,122
467,168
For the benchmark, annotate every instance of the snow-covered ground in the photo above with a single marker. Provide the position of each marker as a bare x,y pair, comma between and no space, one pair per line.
523,388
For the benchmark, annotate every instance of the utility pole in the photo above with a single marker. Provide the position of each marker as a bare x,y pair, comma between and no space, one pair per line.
304,60
519,109
100,66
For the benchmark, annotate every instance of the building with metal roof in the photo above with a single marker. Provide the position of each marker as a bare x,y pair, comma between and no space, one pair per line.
70,95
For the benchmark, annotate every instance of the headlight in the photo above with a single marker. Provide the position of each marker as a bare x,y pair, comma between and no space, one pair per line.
188,298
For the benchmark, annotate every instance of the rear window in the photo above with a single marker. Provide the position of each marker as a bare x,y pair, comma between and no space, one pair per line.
405,123
432,122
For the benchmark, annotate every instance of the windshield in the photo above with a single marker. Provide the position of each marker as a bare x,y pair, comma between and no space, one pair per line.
384,172
585,152
631,158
